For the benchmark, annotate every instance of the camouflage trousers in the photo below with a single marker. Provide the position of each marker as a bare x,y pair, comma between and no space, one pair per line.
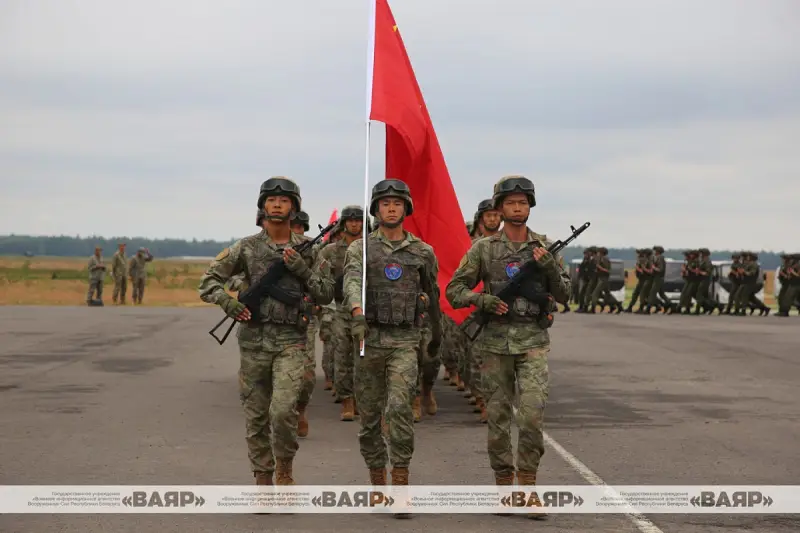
344,357
687,293
95,286
385,379
787,297
476,364
526,377
269,386
601,291
120,289
449,346
310,367
587,292
138,289
328,344
427,366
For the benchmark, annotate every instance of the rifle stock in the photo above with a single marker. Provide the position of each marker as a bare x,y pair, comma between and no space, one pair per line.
475,322
266,286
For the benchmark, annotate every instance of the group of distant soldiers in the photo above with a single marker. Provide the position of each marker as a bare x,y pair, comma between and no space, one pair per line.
381,356
121,270
698,273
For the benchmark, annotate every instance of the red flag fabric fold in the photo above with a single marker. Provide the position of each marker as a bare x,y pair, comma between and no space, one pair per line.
331,220
413,153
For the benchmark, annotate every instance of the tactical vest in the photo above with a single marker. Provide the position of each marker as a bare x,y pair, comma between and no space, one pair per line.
641,263
503,265
394,285
259,259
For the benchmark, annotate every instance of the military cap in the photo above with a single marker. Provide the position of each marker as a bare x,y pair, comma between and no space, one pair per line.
658,249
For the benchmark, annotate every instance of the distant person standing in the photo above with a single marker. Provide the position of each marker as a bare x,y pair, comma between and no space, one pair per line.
119,271
138,272
97,272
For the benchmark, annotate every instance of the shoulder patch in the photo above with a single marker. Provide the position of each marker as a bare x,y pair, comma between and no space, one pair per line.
223,254
463,261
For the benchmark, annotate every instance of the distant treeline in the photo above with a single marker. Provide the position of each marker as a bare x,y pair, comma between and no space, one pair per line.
64,246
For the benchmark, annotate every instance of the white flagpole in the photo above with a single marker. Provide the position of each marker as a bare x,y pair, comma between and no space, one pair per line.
370,69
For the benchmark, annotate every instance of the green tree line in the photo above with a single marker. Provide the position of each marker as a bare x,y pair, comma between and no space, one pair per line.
66,246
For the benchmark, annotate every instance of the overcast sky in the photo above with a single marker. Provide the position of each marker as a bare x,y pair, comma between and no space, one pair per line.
663,122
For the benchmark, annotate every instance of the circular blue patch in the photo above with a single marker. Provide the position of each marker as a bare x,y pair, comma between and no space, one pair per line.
393,271
512,269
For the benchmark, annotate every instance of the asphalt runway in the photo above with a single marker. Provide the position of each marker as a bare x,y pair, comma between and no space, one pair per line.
121,396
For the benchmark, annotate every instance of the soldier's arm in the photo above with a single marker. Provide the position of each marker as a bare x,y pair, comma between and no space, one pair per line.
319,282
432,272
353,266
465,278
226,265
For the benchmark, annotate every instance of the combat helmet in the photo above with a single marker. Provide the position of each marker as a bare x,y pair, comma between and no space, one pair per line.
353,212
301,217
390,188
279,186
513,184
483,206
658,249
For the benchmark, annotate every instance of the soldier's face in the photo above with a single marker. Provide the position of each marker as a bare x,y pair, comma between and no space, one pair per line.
516,208
391,210
491,220
278,206
353,227
298,228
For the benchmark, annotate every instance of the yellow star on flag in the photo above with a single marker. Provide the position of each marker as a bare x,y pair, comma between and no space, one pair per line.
394,28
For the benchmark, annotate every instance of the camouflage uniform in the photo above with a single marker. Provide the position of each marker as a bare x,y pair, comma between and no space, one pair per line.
657,287
790,284
514,346
642,278
591,281
734,276
601,283
119,271
97,273
325,335
703,293
401,289
138,273
272,349
691,280
585,271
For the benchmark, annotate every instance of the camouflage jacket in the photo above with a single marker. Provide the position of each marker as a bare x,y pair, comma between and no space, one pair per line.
410,249
705,265
138,265
478,265
97,269
252,257
119,265
335,254
604,262
659,266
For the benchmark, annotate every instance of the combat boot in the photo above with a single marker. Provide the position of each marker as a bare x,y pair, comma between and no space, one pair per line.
263,478
472,400
416,409
429,400
302,421
328,384
503,479
348,413
527,480
467,391
283,472
454,380
400,479
461,385
446,376
484,418
377,477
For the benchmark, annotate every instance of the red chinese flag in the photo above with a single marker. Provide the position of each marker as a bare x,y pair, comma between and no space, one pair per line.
331,221
413,153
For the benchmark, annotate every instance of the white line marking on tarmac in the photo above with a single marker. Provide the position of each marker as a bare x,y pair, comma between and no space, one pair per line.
639,520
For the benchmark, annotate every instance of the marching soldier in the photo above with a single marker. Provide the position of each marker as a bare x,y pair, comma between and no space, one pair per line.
790,284
138,273
119,271
735,277
643,276
401,290
690,276
603,272
515,343
585,275
705,272
97,273
272,349
657,296
300,225
351,222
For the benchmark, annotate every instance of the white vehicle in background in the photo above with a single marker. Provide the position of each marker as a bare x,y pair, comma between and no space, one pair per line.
721,287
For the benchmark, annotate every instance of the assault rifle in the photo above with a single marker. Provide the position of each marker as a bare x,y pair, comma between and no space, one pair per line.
522,284
267,285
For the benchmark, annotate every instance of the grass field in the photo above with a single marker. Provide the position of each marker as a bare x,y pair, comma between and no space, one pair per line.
64,281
